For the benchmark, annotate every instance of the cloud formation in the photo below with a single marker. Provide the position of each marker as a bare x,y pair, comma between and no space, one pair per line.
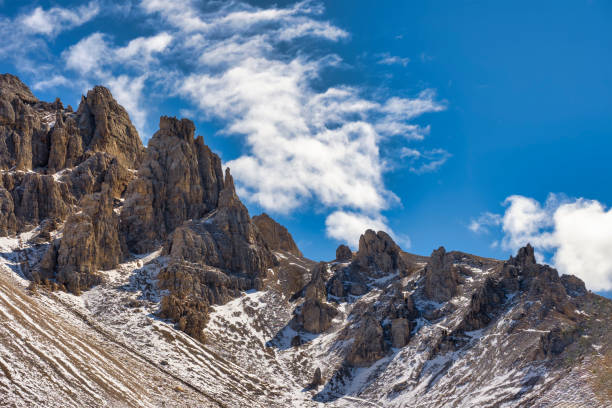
57,19
304,145
573,235
256,72
427,161
388,59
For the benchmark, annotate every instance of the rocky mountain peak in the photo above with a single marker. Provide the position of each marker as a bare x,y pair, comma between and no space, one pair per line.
11,87
441,276
275,235
343,253
179,179
525,256
379,254
172,127
105,126
379,325
228,196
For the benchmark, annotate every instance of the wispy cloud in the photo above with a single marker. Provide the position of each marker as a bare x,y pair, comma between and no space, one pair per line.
57,19
484,222
388,59
575,235
427,161
253,70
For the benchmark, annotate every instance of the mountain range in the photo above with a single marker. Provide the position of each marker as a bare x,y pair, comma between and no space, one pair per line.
135,276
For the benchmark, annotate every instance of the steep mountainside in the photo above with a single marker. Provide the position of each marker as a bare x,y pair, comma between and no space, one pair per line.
134,276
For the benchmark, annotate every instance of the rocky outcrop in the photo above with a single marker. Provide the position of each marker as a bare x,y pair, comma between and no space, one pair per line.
180,179
36,134
400,332
52,157
315,314
317,379
90,242
379,255
275,235
573,285
226,239
31,198
441,276
539,282
368,344
213,259
343,253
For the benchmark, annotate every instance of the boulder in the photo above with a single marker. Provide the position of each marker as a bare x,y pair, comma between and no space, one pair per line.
316,378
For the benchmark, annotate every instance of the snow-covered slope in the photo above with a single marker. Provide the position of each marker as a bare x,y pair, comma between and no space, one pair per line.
108,348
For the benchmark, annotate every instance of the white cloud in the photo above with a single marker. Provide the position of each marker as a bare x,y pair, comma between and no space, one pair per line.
583,231
256,73
54,81
129,93
88,55
302,145
95,58
574,235
57,19
142,49
25,37
388,59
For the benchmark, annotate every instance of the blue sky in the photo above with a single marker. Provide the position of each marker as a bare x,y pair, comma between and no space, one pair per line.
475,125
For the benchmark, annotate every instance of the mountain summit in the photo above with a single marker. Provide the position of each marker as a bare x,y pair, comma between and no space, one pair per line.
133,276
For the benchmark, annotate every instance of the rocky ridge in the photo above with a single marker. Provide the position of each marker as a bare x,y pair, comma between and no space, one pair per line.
156,250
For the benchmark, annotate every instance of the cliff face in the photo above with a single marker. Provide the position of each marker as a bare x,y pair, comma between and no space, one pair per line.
276,236
180,179
98,195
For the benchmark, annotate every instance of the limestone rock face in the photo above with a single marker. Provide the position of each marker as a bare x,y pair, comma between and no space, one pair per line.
36,134
400,332
368,345
379,254
105,126
179,179
99,169
541,282
8,221
574,286
65,144
33,197
212,260
316,314
90,242
226,239
51,157
343,253
275,235
441,276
